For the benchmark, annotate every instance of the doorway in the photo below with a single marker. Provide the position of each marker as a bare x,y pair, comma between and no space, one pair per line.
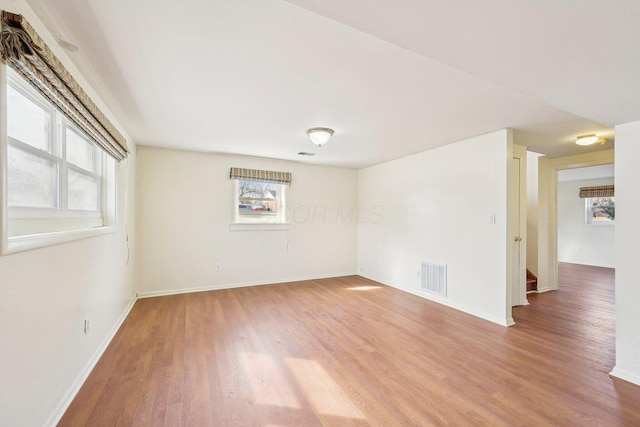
548,170
586,233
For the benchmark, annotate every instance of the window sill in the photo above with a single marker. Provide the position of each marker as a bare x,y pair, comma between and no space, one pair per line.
27,243
239,226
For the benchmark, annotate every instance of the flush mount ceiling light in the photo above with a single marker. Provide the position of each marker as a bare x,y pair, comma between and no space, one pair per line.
589,139
319,136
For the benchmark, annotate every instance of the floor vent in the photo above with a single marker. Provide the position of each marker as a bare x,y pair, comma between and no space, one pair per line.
433,278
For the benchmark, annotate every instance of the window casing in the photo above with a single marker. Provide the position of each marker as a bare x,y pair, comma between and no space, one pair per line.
56,177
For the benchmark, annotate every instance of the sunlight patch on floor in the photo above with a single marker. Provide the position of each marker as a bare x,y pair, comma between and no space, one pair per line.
268,384
363,288
321,390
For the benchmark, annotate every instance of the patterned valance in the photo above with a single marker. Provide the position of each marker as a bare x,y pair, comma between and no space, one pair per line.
600,191
260,175
23,49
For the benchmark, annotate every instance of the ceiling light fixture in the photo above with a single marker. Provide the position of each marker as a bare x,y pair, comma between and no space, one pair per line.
319,136
590,138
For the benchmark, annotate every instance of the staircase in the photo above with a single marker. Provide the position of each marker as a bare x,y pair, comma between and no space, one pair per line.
532,281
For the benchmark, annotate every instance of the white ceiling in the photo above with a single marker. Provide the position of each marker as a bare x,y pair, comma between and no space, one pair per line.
590,172
392,78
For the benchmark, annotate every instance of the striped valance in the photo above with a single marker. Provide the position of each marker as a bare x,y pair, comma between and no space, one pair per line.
23,49
600,191
260,175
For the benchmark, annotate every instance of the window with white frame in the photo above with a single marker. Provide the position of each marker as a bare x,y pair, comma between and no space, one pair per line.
56,176
58,150
600,204
600,210
260,197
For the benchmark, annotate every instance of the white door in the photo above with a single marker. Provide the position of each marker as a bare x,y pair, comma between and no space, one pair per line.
517,227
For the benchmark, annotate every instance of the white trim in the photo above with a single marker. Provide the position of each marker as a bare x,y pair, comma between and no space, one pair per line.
625,375
432,297
27,243
548,217
4,142
152,294
540,291
73,390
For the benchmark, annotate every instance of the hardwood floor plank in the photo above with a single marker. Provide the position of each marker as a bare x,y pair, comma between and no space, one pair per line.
352,352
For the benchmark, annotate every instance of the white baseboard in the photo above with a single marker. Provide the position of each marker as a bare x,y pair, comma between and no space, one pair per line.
150,294
71,393
623,374
502,322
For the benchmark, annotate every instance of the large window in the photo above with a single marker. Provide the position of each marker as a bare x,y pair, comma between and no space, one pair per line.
56,176
58,150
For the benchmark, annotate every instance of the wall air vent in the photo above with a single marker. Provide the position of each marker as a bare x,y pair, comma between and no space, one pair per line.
433,278
303,153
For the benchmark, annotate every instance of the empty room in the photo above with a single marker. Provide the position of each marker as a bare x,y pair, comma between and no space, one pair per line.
319,213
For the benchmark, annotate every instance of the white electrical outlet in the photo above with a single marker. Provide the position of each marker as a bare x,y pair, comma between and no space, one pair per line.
86,326
218,266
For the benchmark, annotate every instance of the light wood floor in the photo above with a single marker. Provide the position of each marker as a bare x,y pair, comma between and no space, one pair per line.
348,351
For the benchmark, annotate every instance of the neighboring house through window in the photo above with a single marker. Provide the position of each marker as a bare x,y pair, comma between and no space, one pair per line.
260,197
600,210
600,204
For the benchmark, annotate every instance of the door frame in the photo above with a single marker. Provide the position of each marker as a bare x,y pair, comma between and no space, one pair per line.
547,207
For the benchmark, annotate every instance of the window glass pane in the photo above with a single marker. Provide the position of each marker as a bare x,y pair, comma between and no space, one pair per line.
603,209
26,121
257,198
79,151
32,181
83,191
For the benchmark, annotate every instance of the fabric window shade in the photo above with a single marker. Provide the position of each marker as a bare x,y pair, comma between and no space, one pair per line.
600,191
260,175
23,49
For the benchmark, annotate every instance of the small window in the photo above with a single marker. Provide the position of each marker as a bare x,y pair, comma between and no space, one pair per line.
259,202
259,196
600,210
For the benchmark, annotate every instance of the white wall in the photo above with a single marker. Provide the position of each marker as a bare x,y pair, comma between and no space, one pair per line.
185,208
581,243
627,176
45,295
435,206
532,211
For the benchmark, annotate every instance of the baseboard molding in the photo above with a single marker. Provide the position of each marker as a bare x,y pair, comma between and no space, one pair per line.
623,374
151,294
542,290
68,397
502,322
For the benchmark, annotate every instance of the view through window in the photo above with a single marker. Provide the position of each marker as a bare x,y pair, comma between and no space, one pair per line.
600,210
